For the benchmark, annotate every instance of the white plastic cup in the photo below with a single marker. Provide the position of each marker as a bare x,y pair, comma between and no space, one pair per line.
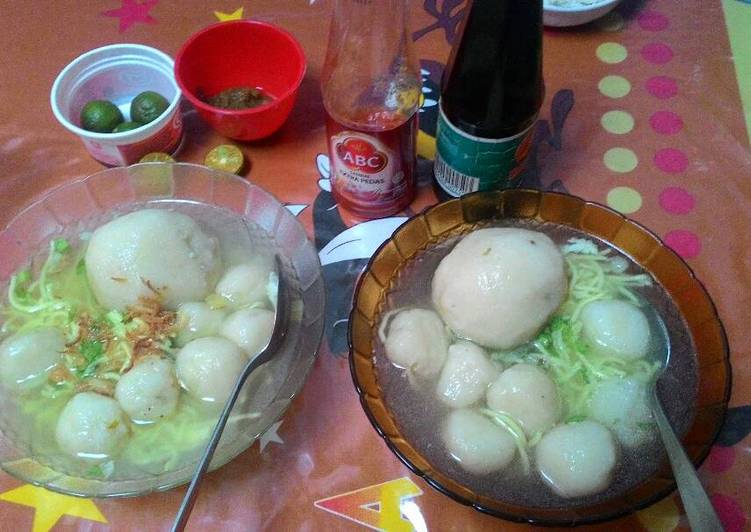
118,73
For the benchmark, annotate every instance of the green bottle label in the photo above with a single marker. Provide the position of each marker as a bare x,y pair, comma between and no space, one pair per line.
465,163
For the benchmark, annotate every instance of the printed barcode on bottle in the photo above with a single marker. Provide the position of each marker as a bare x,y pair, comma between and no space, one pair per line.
453,182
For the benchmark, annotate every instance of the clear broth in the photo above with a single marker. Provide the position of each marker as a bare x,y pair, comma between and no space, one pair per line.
418,412
29,420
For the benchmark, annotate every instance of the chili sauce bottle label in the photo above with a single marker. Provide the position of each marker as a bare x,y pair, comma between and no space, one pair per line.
465,163
372,174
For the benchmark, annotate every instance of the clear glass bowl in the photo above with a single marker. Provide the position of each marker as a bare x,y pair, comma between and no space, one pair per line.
205,194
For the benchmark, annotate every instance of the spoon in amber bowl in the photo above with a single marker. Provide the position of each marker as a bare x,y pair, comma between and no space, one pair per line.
699,510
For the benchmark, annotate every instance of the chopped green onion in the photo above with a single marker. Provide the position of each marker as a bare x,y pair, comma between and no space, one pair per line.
61,245
23,277
91,349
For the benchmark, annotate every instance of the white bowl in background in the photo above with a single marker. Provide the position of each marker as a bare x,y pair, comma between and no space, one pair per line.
577,14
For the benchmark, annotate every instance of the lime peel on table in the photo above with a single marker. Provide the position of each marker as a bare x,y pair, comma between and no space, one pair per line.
225,157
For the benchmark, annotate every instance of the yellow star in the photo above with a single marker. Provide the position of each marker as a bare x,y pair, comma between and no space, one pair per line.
50,506
237,14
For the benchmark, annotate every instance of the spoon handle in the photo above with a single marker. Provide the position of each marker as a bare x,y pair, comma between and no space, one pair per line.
190,496
278,335
699,509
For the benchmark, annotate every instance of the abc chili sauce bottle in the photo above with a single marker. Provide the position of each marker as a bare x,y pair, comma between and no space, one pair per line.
371,89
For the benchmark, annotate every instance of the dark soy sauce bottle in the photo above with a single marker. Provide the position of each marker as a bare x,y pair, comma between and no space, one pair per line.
491,93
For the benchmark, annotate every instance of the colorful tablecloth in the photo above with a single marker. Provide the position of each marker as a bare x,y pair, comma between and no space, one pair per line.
644,112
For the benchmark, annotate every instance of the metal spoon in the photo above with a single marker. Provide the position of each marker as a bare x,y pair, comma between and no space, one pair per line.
277,337
699,509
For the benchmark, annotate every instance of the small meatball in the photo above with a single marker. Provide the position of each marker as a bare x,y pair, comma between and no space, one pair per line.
208,368
196,320
528,395
499,286
250,329
418,341
466,375
149,391
92,426
577,459
615,328
479,445
150,252
621,404
245,283
26,358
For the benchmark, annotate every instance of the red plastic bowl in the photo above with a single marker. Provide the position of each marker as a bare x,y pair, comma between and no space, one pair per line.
241,53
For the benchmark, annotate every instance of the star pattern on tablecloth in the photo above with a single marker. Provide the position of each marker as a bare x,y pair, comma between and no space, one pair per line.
270,435
132,11
49,507
237,14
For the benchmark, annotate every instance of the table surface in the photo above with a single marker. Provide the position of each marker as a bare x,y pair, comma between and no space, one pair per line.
644,112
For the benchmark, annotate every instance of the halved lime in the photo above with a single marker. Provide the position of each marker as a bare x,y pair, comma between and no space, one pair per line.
225,157
157,157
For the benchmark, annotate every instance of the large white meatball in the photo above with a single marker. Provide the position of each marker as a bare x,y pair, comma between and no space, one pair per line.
615,328
149,391
527,394
249,328
208,368
621,404
499,286
418,341
91,426
246,283
466,375
479,445
577,459
196,320
26,358
151,250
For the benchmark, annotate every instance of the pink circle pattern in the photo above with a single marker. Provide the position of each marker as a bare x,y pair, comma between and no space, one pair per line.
671,160
683,242
662,87
666,122
730,512
677,200
657,53
673,200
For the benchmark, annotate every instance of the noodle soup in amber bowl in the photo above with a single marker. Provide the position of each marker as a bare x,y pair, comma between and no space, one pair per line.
472,420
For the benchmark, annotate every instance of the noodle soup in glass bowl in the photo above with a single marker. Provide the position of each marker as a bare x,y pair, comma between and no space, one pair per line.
133,298
503,345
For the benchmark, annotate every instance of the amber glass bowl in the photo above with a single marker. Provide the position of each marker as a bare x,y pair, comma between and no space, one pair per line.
461,215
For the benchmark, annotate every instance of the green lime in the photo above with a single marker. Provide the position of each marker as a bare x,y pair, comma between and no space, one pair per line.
147,106
100,116
126,126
